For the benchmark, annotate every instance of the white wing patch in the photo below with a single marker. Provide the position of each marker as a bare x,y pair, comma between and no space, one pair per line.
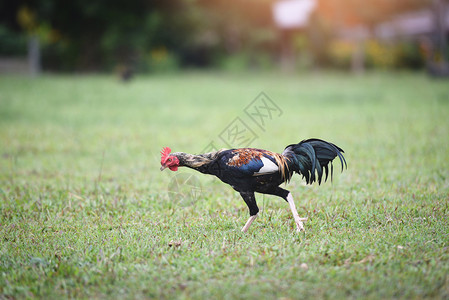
268,167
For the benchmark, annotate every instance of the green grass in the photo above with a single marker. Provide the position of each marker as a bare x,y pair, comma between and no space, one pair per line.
86,213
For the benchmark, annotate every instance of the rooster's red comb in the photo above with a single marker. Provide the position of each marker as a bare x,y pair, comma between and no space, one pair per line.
165,152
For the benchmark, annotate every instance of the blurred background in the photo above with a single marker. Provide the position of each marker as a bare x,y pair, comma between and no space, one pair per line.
145,36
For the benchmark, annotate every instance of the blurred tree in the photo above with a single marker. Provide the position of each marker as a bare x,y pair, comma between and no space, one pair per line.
28,21
97,33
100,34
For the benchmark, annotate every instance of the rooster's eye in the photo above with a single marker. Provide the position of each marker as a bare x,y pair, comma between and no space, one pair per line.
169,160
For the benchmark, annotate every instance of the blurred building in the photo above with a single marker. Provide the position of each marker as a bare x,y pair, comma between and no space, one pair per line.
427,27
415,24
291,16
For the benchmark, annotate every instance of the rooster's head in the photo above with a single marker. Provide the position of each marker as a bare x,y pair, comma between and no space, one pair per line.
168,161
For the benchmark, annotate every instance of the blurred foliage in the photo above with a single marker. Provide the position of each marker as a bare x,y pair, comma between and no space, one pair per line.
11,43
151,35
340,53
379,55
160,60
26,18
411,56
382,55
394,55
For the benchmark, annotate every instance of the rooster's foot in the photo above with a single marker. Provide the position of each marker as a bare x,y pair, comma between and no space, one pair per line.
300,224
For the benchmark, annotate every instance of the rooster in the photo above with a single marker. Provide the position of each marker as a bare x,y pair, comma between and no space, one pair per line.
250,170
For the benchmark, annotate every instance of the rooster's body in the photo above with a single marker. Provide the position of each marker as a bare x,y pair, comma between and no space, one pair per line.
250,170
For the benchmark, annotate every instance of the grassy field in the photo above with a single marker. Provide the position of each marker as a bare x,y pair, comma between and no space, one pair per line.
86,213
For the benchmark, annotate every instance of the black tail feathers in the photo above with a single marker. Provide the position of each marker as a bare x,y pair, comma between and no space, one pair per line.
312,156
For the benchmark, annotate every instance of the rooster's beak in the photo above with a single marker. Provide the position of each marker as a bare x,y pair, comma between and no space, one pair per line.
163,168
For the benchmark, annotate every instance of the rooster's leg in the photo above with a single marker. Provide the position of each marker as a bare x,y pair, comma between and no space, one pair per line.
287,196
298,220
248,223
250,200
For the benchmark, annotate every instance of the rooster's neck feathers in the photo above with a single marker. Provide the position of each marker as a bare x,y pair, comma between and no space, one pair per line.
196,161
282,163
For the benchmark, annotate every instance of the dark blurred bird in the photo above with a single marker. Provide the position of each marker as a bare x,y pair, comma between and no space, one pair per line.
125,72
250,170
